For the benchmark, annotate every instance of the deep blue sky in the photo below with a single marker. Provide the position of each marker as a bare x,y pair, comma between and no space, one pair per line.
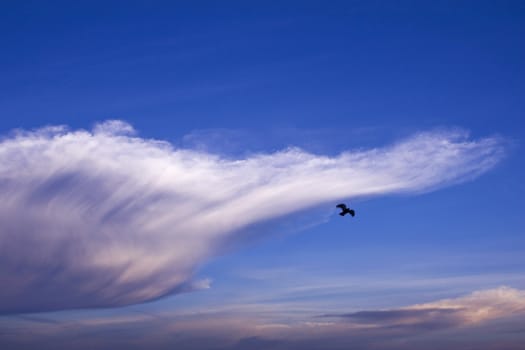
170,68
240,77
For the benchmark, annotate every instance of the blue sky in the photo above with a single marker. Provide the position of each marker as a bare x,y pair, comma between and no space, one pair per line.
206,145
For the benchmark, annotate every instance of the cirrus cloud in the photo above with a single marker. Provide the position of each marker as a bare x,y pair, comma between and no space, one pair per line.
105,218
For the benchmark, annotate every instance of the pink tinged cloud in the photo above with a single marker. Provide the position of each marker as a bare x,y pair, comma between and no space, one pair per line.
439,324
104,218
472,309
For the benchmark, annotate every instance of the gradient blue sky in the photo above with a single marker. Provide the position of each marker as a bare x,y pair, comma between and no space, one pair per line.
234,79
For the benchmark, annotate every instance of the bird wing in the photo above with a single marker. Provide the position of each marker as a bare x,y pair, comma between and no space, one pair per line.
342,206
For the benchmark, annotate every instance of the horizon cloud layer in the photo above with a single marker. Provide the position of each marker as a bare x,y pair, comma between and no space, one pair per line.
104,218
484,319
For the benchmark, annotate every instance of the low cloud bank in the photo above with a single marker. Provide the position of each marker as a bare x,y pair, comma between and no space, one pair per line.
475,308
105,218
442,324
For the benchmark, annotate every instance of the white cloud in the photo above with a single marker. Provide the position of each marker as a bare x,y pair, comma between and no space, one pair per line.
472,310
103,218
435,325
482,305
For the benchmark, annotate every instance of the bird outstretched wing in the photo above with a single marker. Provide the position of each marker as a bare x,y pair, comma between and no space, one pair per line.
342,206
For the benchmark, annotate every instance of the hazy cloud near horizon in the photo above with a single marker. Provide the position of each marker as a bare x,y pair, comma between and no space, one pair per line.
471,309
105,218
484,319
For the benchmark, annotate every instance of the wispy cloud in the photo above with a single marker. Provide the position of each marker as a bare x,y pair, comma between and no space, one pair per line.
427,317
439,324
471,309
105,218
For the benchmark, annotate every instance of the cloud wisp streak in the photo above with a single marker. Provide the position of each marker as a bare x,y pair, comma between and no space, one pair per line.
471,309
105,218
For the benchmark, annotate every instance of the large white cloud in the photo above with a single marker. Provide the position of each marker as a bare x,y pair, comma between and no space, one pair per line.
104,218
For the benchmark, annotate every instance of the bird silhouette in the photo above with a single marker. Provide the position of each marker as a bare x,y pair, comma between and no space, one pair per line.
345,210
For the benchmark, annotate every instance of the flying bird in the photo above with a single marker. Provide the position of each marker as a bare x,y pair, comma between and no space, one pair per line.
345,210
